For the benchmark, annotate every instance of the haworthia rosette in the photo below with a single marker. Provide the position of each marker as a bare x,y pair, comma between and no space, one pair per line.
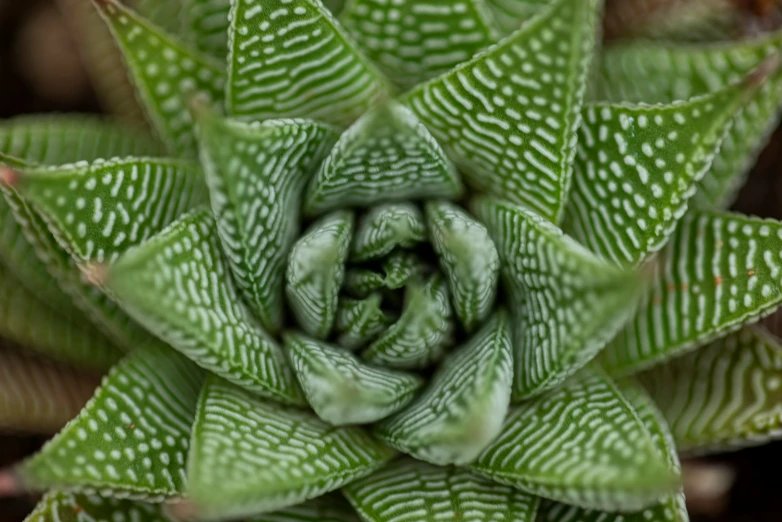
316,270
718,272
522,154
256,174
64,506
251,456
344,390
137,427
555,446
468,258
565,302
166,74
360,320
464,405
315,70
387,155
386,227
422,333
412,491
178,286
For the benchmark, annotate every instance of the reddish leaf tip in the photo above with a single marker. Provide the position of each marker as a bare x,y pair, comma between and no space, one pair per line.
8,176
183,510
10,485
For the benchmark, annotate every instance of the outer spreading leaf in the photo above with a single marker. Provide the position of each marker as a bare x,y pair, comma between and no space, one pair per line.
166,74
250,456
557,446
292,59
523,155
411,491
387,155
316,269
38,396
626,204
385,228
256,174
131,438
720,271
723,396
468,258
342,389
178,286
566,303
662,73
412,41
463,408
61,506
422,333
360,320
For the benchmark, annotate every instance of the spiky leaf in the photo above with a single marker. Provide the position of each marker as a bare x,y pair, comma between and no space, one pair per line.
251,456
360,320
62,506
386,227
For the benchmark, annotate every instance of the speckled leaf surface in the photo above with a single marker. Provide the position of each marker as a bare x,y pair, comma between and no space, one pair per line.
61,506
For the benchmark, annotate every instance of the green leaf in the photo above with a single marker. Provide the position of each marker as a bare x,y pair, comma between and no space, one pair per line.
208,26
37,396
132,437
251,456
62,506
624,204
316,269
411,491
256,174
526,155
468,258
385,228
342,389
723,396
510,14
463,408
654,73
327,508
360,282
166,74
719,271
170,15
556,446
178,286
401,267
295,60
387,155
422,333
360,320
412,41
566,303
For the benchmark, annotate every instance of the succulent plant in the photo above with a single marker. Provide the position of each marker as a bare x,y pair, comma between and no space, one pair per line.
394,261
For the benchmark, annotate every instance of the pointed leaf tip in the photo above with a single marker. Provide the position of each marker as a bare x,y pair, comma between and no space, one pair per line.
8,177
10,485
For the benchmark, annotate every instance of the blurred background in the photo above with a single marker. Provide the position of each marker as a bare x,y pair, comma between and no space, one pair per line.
41,70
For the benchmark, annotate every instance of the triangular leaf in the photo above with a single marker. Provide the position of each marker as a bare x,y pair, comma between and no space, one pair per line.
468,258
62,506
132,437
256,174
360,320
316,269
313,70
411,491
342,389
422,333
385,228
166,74
462,410
556,446
178,286
387,155
566,303
251,456
719,271
522,155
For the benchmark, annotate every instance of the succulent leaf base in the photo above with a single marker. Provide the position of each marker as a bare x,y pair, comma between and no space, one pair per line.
392,261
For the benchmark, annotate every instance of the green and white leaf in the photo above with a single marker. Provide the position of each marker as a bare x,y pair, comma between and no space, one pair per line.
361,282
565,302
422,333
360,320
387,155
401,267
256,174
291,60
475,111
720,271
63,506
386,227
344,390
464,406
132,437
468,259
251,456
412,491
316,270
556,446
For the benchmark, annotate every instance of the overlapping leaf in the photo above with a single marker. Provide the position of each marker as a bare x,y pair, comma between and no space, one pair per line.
360,320
61,506
386,227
